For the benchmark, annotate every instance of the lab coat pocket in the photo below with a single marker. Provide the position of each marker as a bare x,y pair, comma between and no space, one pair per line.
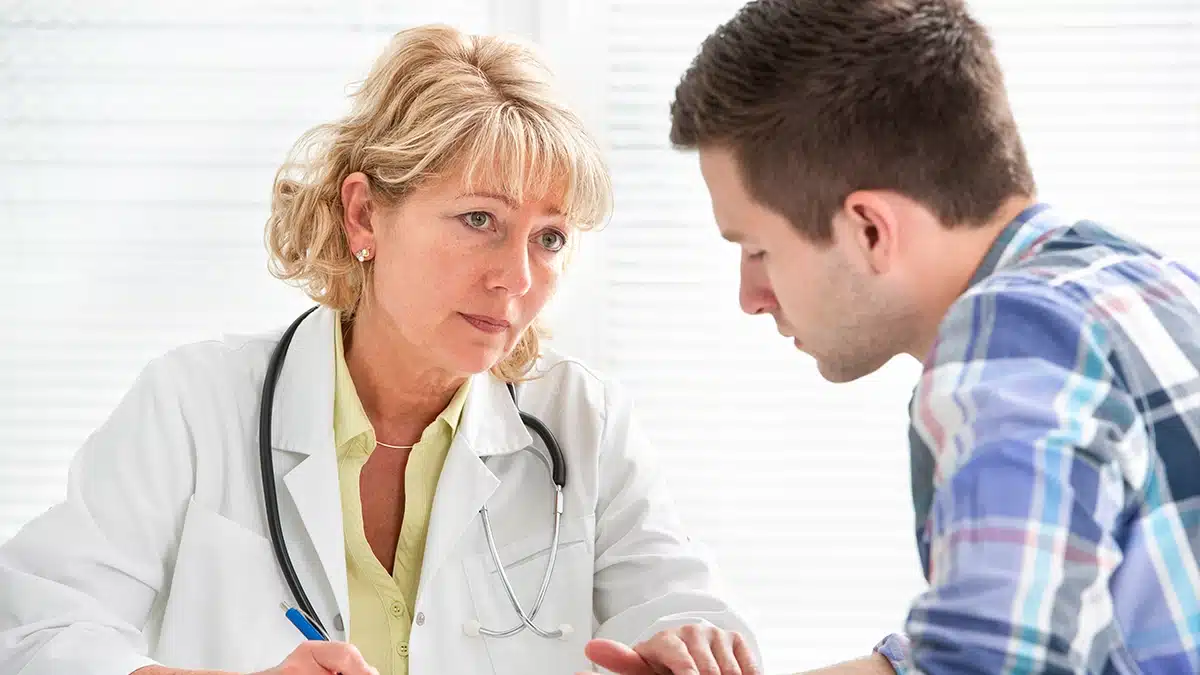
568,599
223,608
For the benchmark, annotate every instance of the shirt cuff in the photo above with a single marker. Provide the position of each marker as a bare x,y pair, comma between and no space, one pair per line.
895,649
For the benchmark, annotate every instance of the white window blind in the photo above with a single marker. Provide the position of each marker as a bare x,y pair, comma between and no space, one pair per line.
138,143
801,487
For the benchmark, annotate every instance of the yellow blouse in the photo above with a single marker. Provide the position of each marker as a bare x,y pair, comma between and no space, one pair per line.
381,605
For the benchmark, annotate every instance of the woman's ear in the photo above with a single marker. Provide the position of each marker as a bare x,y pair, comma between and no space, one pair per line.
356,213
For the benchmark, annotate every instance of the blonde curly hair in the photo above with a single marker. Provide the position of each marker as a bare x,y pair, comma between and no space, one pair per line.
437,102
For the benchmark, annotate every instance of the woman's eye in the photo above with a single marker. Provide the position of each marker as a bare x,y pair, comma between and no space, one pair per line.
552,240
477,220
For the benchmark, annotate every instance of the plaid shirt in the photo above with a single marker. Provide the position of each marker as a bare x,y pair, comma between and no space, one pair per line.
1056,463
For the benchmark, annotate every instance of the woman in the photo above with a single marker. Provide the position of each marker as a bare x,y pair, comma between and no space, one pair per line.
431,226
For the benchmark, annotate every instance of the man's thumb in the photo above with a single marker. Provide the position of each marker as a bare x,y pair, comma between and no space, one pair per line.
616,657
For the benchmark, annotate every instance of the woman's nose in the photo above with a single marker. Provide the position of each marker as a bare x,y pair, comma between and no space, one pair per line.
512,271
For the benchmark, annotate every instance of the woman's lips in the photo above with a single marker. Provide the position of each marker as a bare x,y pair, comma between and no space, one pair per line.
486,324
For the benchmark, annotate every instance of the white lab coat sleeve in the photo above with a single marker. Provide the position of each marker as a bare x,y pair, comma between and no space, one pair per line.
78,583
649,575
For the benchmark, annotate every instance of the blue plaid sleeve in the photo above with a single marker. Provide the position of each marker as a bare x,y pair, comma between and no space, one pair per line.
894,648
1019,409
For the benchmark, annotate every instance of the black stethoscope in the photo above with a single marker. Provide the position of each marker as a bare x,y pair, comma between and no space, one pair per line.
558,473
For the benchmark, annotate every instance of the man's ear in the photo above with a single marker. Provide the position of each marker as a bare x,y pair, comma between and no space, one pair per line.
869,221
356,212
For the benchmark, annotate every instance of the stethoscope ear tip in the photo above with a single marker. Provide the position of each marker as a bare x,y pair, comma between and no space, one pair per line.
565,631
471,628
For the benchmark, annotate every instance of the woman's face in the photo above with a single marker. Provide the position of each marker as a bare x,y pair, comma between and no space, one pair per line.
458,274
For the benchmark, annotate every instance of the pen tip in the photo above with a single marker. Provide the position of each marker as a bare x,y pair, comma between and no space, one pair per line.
284,606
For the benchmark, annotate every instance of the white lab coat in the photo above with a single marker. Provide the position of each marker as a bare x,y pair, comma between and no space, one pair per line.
160,552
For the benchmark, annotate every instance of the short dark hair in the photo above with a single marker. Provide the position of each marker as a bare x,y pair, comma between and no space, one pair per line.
819,98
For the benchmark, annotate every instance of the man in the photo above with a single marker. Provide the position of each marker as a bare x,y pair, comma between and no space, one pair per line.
863,155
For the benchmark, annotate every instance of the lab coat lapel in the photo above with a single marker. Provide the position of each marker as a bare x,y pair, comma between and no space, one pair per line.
491,424
303,424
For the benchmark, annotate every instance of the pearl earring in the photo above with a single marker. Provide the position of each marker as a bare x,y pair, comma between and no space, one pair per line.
363,255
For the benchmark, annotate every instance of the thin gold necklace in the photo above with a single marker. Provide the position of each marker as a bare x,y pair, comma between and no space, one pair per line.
395,447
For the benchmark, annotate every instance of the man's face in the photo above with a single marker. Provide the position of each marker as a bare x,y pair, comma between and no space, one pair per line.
822,295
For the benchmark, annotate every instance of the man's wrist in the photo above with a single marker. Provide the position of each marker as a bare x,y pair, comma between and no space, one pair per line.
875,664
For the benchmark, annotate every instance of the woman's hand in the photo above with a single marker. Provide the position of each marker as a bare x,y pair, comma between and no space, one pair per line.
695,649
317,657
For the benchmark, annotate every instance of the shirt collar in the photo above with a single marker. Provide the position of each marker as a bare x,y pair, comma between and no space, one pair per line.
349,419
1018,238
453,412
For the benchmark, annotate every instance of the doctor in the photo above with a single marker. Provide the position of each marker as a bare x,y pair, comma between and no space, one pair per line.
430,225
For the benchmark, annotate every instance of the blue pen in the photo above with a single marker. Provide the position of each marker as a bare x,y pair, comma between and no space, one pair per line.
301,622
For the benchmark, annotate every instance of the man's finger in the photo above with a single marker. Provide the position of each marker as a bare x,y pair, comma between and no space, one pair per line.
616,657
745,658
668,653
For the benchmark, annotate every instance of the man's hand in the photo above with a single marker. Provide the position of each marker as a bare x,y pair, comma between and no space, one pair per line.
695,649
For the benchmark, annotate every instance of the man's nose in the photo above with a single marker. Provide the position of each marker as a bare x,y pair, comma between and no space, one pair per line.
755,294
